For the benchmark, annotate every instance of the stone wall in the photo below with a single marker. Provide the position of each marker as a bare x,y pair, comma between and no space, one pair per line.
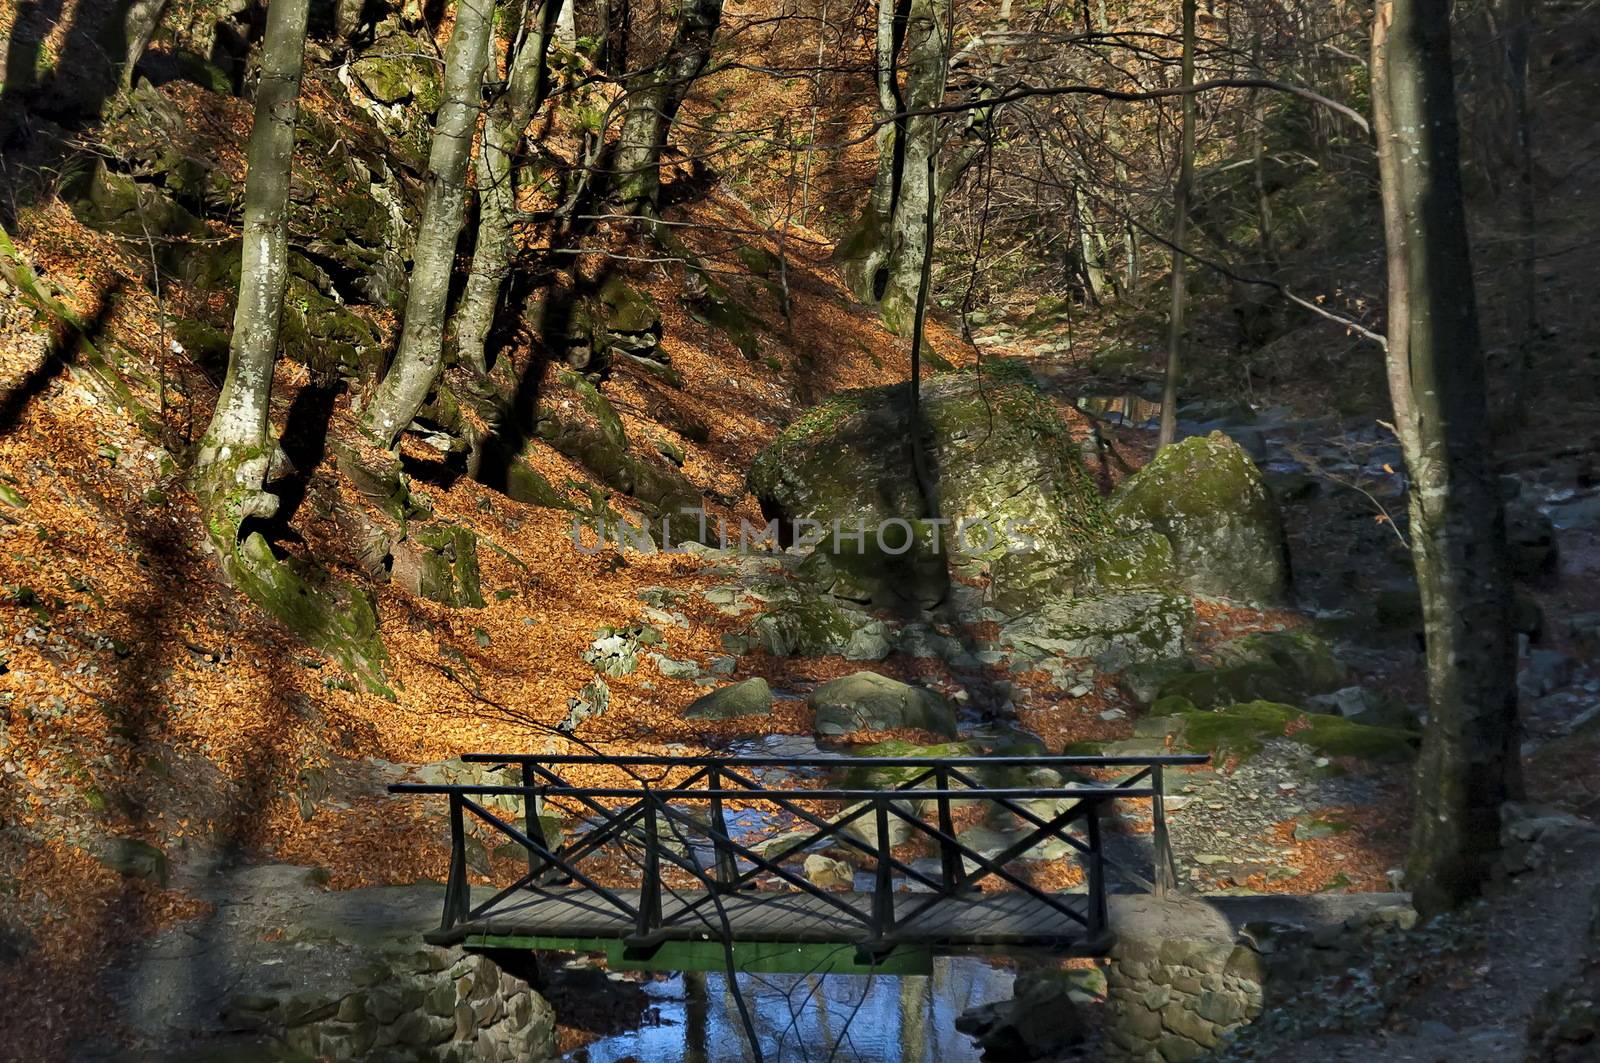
1186,973
419,1004
1173,1000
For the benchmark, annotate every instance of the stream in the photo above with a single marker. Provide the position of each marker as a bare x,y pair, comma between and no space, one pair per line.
694,1017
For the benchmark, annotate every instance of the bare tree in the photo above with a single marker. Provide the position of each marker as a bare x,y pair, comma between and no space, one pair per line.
231,468
1437,381
653,102
417,361
527,84
1177,315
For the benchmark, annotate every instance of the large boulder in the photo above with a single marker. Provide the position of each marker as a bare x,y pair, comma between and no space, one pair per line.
1006,471
867,701
1115,629
1207,497
751,697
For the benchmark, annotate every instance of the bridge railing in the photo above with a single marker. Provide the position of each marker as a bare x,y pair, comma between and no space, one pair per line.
673,814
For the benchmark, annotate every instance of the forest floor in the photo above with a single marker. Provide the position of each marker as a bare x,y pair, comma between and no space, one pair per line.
153,722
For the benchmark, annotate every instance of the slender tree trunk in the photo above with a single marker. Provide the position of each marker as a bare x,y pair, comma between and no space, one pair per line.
1180,238
231,467
138,26
347,19
1437,381
653,102
916,201
1517,29
566,23
527,84
420,355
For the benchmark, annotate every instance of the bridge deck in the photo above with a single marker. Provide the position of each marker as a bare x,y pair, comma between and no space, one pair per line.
982,919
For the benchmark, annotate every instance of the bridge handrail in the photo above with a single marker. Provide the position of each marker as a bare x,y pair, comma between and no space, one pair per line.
942,781
822,760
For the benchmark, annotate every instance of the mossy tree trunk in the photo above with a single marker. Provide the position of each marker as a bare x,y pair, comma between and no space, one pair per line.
420,355
882,257
652,105
231,468
527,84
139,24
1437,380
1178,312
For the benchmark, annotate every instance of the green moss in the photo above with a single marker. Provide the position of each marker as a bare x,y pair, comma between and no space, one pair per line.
810,627
526,484
1172,705
1142,559
1303,656
346,630
1240,730
626,308
1335,736
1253,681
598,405
1207,497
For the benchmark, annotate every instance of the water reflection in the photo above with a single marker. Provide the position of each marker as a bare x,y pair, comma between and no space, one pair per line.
812,1017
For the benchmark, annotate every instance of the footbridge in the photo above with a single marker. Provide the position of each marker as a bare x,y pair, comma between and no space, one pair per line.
685,863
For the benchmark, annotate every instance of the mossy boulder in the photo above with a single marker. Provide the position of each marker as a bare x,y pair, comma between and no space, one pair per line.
1241,730
1115,629
751,697
1207,497
439,562
580,423
396,68
1276,666
1304,656
323,334
808,627
1140,559
1010,481
867,701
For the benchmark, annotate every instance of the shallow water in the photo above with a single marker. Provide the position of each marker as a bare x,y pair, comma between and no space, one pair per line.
842,1018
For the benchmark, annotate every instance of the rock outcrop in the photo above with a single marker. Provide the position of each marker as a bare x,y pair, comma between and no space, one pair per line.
1206,496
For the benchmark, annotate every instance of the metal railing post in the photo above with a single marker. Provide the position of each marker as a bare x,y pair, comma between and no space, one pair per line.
1096,870
532,826
457,890
650,887
725,871
950,865
1166,870
883,883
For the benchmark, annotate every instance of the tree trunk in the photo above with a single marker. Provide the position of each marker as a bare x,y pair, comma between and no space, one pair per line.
526,86
1180,239
138,26
927,60
883,256
347,19
417,361
231,467
1437,381
653,102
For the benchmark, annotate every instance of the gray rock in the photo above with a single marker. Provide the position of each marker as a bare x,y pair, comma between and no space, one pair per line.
870,642
827,873
136,858
1115,629
1547,670
674,669
752,697
867,701
1207,497
1361,705
1039,1022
